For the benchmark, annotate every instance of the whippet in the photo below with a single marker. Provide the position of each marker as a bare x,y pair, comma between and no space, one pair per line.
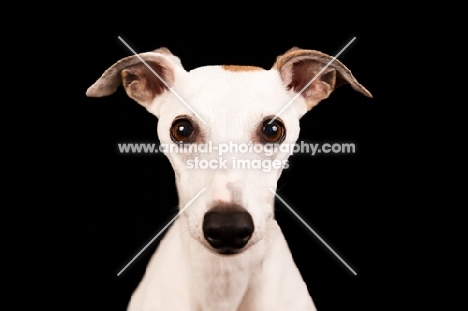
225,252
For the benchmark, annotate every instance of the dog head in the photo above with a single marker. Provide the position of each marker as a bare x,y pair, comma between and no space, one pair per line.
221,126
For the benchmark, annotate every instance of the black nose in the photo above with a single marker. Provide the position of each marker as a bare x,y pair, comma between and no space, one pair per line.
227,230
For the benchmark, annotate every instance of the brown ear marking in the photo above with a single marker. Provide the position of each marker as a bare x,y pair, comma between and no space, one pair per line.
139,81
297,64
142,84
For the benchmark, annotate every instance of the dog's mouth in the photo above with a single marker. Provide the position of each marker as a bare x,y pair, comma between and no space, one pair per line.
225,251
214,246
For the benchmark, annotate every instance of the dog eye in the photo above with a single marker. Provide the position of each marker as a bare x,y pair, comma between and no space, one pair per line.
182,131
274,132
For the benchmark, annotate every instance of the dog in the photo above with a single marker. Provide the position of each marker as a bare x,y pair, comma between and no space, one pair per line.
225,252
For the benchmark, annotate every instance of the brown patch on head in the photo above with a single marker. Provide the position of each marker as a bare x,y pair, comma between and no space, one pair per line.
236,68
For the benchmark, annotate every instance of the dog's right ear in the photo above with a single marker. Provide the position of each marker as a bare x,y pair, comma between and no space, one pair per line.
140,83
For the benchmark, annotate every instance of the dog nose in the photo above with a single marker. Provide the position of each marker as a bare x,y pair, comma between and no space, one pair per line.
227,231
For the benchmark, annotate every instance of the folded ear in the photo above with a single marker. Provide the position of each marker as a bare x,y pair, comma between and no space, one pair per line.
298,67
141,84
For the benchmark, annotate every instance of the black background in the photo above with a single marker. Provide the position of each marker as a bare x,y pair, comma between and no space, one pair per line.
112,204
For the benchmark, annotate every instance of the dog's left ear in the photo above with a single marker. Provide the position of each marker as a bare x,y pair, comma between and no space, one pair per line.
298,67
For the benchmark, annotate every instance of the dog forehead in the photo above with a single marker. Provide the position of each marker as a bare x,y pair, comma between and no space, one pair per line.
232,102
233,89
